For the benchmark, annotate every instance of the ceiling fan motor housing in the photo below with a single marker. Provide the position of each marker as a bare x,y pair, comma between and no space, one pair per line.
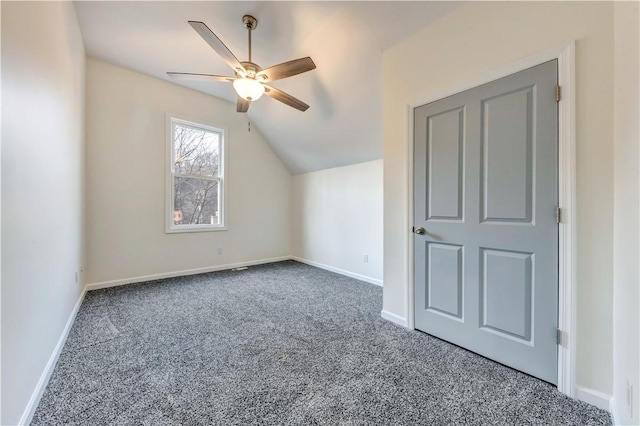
252,69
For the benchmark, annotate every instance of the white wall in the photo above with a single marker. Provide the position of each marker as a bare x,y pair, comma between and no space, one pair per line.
626,253
474,39
337,218
126,181
42,189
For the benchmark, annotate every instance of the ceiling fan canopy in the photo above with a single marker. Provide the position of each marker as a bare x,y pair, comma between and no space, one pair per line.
249,80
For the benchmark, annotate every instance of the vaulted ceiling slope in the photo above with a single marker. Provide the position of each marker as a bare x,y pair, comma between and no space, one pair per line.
345,40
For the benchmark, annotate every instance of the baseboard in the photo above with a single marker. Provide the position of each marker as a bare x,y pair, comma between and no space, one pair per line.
593,397
27,415
613,409
339,271
394,318
132,280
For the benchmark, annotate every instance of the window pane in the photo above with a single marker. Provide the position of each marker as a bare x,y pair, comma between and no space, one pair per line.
195,201
196,151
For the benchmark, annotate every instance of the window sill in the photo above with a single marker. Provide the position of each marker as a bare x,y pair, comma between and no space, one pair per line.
187,229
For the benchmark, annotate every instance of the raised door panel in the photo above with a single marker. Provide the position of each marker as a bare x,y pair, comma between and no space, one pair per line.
445,165
506,293
507,157
444,274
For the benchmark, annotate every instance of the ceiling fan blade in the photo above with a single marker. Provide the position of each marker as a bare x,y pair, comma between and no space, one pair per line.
217,45
243,105
285,98
199,77
288,69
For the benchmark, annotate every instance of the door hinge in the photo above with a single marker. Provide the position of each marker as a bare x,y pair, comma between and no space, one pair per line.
558,336
558,215
558,93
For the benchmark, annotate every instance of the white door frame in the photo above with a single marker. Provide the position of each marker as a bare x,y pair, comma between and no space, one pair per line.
565,55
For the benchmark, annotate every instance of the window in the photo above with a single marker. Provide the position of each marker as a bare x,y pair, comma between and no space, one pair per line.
195,178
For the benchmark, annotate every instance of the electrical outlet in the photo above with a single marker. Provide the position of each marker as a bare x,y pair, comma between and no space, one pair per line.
365,258
219,251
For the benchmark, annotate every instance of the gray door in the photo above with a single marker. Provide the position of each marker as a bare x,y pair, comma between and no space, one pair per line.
486,193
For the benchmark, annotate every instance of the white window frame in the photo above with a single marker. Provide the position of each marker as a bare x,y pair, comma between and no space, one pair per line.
170,227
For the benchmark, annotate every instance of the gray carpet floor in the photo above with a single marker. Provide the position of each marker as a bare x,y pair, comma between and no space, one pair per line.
278,344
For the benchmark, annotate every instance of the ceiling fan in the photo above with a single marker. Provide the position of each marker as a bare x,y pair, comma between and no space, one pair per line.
250,79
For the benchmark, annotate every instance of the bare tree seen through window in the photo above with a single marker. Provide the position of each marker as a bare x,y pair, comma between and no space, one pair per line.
196,173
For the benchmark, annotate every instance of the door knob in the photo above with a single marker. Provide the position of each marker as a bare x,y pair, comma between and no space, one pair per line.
420,230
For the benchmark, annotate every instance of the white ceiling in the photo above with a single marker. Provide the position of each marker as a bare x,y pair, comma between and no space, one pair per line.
345,40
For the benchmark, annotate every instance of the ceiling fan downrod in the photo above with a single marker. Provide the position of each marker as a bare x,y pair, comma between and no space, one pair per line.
250,23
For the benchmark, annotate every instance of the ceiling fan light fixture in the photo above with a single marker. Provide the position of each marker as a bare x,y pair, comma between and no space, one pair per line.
248,88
